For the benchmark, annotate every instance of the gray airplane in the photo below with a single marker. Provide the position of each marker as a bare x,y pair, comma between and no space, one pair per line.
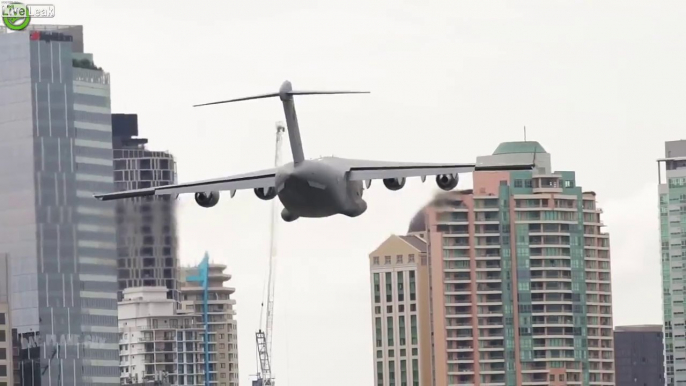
314,188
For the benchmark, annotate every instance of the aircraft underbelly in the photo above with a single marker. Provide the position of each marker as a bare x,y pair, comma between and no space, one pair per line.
308,198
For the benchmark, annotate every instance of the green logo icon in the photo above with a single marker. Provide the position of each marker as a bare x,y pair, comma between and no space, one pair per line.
15,16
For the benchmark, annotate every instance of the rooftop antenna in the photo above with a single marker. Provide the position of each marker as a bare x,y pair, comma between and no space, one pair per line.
524,133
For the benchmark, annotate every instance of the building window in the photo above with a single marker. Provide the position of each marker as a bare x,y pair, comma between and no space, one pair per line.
379,342
376,260
3,337
379,374
3,370
410,258
2,318
518,183
377,289
3,353
401,290
389,325
387,260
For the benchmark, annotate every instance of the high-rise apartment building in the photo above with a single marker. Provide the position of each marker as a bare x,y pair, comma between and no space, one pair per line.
147,243
157,343
401,317
222,327
56,141
519,280
672,191
639,358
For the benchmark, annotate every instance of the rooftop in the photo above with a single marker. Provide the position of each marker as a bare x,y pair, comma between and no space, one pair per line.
415,242
519,147
640,328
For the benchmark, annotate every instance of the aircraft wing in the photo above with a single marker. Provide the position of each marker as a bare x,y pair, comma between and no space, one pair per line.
360,170
259,179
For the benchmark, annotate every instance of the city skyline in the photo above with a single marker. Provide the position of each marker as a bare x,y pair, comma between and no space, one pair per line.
603,102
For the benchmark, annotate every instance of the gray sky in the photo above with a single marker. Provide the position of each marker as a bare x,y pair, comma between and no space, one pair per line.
599,84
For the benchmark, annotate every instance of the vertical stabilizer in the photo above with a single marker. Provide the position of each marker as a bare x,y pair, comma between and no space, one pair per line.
286,95
292,122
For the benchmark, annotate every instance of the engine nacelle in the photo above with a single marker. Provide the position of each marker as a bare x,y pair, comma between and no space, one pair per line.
265,194
447,182
207,199
394,183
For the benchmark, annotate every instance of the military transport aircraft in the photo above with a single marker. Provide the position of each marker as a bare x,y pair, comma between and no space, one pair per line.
313,188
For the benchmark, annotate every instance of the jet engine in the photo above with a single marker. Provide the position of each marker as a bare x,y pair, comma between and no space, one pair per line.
394,183
446,182
207,199
265,193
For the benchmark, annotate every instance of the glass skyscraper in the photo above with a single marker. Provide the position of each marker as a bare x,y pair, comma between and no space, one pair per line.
56,141
672,191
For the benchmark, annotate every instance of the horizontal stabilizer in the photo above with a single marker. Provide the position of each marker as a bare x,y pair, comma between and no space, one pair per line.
241,99
325,92
284,93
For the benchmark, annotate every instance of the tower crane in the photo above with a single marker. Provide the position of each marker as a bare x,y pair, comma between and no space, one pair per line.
264,337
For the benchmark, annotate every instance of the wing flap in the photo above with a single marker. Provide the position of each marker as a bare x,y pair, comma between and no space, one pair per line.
378,174
360,170
372,170
260,179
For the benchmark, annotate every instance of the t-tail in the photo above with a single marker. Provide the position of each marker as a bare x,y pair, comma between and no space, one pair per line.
286,94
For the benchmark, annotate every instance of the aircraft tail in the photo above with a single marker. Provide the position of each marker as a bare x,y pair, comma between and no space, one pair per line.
282,95
286,94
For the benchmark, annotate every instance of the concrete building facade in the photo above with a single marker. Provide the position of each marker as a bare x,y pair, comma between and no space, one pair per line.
222,324
520,278
55,130
400,311
639,358
157,343
672,204
147,241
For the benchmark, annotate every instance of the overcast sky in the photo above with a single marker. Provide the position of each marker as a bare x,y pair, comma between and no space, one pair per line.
599,84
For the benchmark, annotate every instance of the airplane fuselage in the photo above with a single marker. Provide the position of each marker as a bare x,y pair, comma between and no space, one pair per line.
318,188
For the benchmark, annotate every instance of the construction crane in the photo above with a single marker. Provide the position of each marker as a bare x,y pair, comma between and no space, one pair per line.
264,337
